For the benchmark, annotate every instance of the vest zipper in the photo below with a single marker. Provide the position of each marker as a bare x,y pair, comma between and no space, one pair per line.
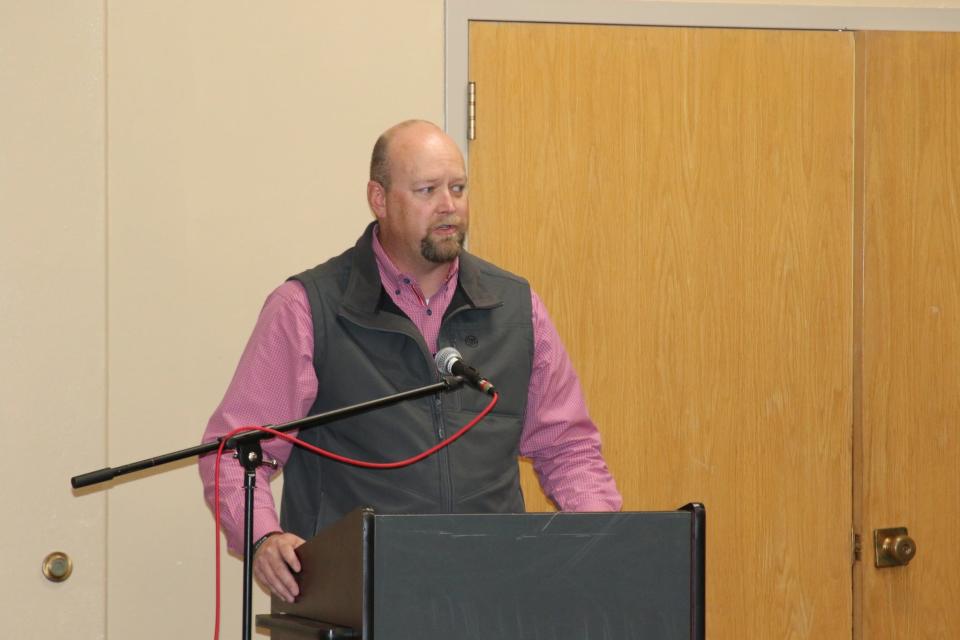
443,458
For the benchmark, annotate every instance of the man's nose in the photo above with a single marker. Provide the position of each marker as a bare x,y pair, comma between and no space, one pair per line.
446,200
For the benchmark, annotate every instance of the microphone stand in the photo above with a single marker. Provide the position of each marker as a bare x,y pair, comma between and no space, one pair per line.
250,456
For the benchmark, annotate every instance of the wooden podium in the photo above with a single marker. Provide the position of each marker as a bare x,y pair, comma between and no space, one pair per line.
540,576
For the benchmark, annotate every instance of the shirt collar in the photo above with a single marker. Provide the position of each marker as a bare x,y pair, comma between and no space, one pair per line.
392,278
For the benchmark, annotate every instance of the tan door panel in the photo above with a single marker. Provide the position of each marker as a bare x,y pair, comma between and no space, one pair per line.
52,319
682,201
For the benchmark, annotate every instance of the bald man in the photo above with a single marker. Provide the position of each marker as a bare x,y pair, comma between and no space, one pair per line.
367,324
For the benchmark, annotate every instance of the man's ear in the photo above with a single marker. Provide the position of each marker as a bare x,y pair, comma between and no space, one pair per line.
377,199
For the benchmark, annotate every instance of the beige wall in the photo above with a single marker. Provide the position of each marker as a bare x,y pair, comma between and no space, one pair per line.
238,139
163,165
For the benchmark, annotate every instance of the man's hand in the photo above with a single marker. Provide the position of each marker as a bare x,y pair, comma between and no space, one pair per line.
275,563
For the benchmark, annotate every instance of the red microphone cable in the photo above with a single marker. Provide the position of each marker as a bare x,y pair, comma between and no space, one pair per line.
327,454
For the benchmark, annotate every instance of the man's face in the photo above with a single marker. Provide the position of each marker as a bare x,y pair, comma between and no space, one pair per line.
426,207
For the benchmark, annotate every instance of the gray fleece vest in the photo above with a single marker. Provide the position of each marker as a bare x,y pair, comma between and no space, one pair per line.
364,348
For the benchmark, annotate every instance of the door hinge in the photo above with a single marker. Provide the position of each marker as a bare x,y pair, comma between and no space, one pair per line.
856,546
471,111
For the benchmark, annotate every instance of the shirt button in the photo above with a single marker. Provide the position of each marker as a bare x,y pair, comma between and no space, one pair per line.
397,291
406,281
429,312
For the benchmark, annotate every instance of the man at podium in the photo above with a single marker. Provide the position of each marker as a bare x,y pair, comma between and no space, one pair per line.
367,324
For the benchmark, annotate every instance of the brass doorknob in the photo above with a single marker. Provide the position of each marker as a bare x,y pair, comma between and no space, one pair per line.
893,547
57,566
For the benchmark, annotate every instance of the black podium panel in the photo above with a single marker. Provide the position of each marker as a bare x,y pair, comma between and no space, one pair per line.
533,576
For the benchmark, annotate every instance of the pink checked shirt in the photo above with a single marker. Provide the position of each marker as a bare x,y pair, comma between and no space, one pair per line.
275,383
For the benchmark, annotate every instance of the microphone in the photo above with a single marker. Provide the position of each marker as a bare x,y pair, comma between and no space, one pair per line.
450,363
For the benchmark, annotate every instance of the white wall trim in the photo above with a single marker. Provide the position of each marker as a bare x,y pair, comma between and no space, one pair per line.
853,17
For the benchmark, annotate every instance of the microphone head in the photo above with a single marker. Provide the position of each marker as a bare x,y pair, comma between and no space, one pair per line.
445,359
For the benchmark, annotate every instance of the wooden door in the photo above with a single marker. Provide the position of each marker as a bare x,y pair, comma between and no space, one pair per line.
911,331
52,318
682,200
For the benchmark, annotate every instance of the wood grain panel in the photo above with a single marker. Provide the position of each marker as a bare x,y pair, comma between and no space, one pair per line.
682,200
911,363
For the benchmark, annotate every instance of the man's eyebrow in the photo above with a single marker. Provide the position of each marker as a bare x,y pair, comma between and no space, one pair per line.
437,180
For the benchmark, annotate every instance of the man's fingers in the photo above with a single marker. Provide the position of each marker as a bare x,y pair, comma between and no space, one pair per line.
266,576
271,576
273,563
288,553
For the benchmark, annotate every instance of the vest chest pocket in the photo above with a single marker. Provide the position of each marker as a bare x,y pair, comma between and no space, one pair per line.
503,356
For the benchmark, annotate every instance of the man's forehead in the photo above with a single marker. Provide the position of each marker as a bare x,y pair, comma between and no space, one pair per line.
429,159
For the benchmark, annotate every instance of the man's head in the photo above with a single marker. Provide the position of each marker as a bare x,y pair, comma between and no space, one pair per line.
418,192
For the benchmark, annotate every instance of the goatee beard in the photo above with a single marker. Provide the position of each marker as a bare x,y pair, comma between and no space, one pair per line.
442,251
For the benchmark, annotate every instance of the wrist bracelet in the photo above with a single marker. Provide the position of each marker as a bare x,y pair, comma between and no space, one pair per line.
261,540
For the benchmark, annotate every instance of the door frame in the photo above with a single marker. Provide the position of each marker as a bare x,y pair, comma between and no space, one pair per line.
853,17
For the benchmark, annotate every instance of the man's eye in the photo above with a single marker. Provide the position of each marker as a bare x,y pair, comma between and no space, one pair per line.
458,188
425,190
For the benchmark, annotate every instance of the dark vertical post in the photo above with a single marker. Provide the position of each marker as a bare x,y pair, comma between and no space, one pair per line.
250,456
